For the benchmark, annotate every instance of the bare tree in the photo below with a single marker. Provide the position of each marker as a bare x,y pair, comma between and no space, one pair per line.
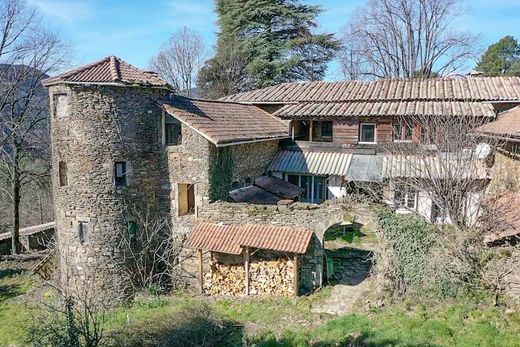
28,53
180,59
148,249
225,74
405,39
441,159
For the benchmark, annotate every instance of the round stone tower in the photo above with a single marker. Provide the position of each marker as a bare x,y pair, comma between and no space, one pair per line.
106,159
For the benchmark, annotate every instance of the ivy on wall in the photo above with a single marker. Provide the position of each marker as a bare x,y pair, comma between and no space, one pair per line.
222,174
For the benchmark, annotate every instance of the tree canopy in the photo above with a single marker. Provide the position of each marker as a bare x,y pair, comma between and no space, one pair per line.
275,39
501,58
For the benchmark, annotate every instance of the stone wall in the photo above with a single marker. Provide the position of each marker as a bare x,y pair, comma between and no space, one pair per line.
505,172
103,125
252,160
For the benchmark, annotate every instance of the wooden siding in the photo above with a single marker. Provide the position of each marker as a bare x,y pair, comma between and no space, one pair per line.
345,132
384,130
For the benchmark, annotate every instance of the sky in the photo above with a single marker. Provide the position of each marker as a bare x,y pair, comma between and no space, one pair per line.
134,30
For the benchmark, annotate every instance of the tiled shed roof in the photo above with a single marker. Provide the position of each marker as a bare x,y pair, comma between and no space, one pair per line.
232,239
225,123
315,163
434,89
112,70
383,109
507,124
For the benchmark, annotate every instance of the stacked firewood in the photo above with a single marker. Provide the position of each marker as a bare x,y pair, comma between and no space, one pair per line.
224,279
271,277
267,277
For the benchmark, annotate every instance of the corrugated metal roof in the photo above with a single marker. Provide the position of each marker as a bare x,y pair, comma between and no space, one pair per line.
365,168
232,238
386,109
314,163
253,195
399,166
434,89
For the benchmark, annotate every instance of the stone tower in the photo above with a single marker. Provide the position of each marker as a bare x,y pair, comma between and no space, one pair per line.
106,157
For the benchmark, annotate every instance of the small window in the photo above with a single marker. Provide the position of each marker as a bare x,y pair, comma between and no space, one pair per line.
172,131
403,132
120,173
186,199
405,197
83,232
326,129
367,133
61,105
132,231
62,168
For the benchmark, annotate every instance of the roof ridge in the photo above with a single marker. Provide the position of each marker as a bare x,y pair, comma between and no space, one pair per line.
115,71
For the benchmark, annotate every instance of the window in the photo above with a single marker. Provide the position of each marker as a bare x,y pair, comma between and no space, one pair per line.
405,197
186,198
403,132
83,232
61,105
132,231
172,131
62,168
326,129
120,173
367,133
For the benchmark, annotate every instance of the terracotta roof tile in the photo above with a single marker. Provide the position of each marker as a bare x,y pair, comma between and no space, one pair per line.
232,239
108,70
507,124
226,122
440,89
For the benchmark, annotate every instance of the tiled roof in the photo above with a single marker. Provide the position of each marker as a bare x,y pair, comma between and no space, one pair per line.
435,89
281,188
315,163
232,239
507,221
225,123
266,190
111,70
382,109
400,166
507,124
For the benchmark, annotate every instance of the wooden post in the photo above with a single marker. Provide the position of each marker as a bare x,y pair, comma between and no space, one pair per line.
296,276
201,272
310,131
246,265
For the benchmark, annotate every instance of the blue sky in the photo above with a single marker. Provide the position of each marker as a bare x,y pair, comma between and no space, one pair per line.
134,30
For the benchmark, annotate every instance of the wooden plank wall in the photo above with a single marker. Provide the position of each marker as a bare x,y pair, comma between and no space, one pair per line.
345,131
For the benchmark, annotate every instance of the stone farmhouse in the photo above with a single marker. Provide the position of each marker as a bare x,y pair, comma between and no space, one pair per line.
121,138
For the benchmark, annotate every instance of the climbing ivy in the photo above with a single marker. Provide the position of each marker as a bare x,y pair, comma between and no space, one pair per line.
222,174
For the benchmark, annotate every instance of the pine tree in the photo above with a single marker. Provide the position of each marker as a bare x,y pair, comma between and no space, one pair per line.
277,40
501,58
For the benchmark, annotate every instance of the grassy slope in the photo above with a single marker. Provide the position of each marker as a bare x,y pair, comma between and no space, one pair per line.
278,321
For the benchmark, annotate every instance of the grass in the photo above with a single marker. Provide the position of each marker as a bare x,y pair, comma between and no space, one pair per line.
183,319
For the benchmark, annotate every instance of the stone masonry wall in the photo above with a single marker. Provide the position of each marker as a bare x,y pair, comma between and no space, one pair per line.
103,125
506,171
251,160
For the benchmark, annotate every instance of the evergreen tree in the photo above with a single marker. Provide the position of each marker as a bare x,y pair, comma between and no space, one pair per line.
275,37
501,58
